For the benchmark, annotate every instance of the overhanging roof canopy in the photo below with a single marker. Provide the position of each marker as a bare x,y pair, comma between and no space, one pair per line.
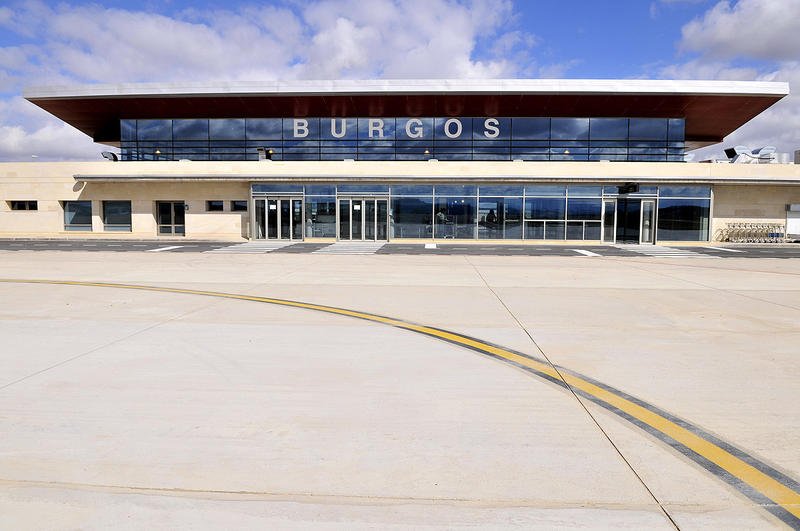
712,109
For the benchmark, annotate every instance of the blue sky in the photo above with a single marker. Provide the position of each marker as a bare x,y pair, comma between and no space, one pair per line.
62,43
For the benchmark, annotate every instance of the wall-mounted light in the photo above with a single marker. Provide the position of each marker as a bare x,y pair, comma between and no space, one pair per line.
158,152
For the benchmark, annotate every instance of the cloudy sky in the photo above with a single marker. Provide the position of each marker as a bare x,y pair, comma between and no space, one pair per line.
64,43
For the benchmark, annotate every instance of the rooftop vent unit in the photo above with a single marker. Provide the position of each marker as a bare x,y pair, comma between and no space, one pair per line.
743,155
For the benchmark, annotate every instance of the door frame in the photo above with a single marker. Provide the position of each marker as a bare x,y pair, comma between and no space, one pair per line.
363,200
653,221
606,201
279,198
172,225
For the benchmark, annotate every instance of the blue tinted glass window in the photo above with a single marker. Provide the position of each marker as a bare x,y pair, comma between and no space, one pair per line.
546,190
683,219
608,128
569,128
501,190
585,191
127,130
362,188
412,189
452,129
530,128
489,129
684,191
455,190
677,129
320,189
301,128
154,130
263,128
227,129
278,188
338,129
414,128
190,129
376,129
545,208
653,129
588,209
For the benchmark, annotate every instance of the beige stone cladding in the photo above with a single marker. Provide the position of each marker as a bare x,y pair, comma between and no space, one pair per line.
741,192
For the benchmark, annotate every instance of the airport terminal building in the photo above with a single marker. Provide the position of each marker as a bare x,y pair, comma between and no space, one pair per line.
416,160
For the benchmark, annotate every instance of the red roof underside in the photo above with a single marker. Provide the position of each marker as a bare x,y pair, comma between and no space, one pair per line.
709,118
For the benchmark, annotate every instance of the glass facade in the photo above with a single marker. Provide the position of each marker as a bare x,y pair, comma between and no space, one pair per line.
617,139
507,212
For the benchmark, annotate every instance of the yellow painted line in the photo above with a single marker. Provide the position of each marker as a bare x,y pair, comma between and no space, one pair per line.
767,486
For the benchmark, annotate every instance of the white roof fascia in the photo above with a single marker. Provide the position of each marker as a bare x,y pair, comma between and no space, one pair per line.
418,86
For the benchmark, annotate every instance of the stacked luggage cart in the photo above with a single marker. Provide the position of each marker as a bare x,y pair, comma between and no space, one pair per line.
754,233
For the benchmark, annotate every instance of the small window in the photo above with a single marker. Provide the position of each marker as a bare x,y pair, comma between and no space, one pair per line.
24,205
78,216
214,206
117,216
239,206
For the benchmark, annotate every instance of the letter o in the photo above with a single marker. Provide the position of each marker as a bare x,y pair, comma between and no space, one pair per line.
447,125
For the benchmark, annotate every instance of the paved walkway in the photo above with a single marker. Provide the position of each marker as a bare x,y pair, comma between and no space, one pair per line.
176,406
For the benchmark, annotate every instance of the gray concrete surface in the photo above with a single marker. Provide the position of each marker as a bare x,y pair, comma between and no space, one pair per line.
138,409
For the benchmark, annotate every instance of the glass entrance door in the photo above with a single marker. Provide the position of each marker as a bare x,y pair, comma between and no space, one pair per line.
648,226
609,220
363,219
278,218
171,218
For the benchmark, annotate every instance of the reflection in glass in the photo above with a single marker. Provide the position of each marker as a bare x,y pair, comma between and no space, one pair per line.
228,129
609,128
412,217
154,130
544,208
117,216
263,128
320,217
652,129
684,191
77,215
530,128
261,219
683,219
569,128
344,219
589,209
190,129
455,217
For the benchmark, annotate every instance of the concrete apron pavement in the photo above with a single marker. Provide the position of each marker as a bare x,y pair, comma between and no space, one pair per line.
150,407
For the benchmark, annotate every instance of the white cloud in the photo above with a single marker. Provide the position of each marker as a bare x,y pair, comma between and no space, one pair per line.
749,40
763,29
75,44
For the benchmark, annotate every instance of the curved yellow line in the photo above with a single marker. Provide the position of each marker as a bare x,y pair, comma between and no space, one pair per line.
769,487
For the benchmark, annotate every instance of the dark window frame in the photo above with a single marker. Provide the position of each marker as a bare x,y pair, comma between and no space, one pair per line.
23,205
215,205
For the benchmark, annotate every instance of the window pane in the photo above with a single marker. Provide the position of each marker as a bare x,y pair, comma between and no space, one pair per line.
585,191
683,219
301,128
654,129
228,129
77,215
455,190
684,191
546,190
584,209
455,217
375,129
412,217
412,189
239,205
677,129
127,130
214,206
190,129
452,129
569,128
263,128
501,190
320,189
530,128
117,213
362,188
414,129
544,208
278,188
609,128
154,130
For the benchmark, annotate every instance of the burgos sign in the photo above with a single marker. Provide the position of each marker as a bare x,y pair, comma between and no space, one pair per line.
397,128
